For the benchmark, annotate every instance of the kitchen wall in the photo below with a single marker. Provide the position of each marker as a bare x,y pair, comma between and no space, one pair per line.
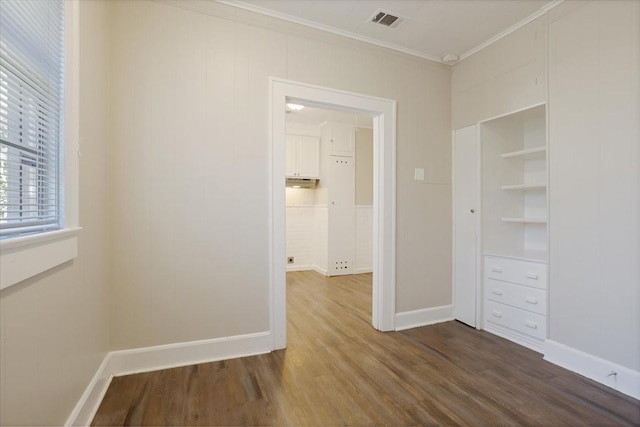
190,212
54,327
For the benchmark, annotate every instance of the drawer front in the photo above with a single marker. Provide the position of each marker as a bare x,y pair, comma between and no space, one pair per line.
529,299
519,320
516,271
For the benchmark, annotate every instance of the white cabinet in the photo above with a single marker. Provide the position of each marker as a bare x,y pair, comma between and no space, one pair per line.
302,156
341,138
515,300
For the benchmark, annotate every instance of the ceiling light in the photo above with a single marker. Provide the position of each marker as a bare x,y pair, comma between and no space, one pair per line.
294,107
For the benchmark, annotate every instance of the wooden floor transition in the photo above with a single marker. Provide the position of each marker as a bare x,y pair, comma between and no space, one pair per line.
337,370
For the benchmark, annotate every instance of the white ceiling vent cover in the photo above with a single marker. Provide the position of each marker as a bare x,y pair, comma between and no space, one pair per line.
387,19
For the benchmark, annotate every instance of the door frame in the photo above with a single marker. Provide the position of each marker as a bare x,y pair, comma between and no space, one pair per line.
384,196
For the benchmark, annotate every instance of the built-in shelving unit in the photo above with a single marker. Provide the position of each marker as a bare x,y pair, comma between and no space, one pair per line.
514,226
514,183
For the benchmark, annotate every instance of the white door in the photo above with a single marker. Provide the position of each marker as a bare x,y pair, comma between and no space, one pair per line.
341,241
464,225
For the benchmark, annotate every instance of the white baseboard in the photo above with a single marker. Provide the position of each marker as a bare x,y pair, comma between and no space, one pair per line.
625,380
299,268
362,270
423,317
125,362
319,270
524,340
90,400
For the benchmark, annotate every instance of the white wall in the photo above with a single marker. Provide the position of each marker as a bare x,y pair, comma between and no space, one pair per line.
190,203
594,98
54,327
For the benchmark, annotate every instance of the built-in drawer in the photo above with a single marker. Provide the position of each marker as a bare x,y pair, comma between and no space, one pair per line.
516,271
528,323
530,299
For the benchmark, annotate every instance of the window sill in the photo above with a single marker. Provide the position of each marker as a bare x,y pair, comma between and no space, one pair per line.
25,257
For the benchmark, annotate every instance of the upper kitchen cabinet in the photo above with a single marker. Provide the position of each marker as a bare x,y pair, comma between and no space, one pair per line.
302,157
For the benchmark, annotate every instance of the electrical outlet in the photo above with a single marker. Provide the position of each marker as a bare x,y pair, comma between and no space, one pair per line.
290,260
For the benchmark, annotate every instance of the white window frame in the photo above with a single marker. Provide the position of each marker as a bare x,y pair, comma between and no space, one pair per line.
24,257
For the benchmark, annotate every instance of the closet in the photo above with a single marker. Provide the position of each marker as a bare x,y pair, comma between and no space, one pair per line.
508,283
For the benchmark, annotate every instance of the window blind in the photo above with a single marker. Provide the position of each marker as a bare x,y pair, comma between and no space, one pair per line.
31,115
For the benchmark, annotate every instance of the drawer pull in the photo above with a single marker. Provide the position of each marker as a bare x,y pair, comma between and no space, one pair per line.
497,291
496,314
496,269
531,325
531,300
531,276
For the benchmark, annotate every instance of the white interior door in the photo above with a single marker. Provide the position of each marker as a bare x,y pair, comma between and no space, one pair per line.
464,225
341,241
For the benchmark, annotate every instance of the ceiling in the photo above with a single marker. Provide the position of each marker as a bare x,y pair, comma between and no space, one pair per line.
311,115
430,29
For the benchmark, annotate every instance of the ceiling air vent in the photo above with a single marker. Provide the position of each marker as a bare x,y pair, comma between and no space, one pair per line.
385,18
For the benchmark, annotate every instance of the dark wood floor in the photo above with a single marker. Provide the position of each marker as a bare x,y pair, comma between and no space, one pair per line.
338,371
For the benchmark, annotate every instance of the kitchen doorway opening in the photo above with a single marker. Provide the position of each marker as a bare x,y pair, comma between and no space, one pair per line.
383,112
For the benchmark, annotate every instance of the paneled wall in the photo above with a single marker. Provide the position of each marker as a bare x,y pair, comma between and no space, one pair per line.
190,111
594,102
506,76
54,327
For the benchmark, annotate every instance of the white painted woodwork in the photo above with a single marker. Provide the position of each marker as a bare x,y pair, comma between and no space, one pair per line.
341,235
302,156
465,182
594,116
515,300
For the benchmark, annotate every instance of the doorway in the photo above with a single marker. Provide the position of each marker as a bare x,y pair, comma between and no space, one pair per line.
383,112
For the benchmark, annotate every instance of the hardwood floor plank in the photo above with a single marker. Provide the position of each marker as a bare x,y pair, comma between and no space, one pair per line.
337,370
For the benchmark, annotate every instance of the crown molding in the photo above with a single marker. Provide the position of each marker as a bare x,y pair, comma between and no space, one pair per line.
543,10
329,29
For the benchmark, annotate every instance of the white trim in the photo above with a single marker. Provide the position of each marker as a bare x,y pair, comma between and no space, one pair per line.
89,402
299,267
530,342
364,270
384,143
512,112
543,10
27,258
626,380
319,270
423,317
137,360
307,23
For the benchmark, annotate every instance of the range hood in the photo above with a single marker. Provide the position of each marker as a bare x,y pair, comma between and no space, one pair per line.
301,183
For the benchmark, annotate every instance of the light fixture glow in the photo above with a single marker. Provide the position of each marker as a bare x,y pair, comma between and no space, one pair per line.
296,186
294,107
